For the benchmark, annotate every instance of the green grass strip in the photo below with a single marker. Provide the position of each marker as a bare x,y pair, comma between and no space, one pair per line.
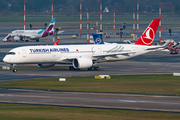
36,112
145,84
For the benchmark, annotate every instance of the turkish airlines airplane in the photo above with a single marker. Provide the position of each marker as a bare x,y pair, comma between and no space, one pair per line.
33,34
82,56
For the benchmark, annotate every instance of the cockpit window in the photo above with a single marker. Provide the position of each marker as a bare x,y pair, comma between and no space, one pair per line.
11,53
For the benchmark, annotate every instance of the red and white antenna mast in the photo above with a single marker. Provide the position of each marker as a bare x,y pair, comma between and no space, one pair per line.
96,25
137,17
87,26
160,23
52,9
100,15
24,16
133,25
80,17
53,25
114,21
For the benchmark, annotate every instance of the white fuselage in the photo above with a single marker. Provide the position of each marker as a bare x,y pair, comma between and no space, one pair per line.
66,53
28,33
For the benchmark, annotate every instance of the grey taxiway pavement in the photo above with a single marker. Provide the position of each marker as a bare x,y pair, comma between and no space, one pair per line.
91,100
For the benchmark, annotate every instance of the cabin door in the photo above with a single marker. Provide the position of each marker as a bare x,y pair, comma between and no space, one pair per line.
23,53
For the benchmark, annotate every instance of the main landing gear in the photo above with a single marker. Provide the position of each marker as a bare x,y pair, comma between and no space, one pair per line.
14,68
93,68
37,40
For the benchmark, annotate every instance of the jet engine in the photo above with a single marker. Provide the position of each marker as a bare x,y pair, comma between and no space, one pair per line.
32,37
46,65
82,63
17,38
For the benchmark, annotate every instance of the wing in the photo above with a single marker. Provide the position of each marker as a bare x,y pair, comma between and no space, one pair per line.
97,55
165,46
29,36
154,48
60,32
114,53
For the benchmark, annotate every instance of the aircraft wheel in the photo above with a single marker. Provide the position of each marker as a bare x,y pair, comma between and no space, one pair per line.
70,67
14,70
90,69
37,40
93,68
96,68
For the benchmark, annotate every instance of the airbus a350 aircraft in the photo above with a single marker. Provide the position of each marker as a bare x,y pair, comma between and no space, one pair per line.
33,34
82,56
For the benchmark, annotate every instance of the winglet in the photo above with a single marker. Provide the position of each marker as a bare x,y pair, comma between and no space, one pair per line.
97,39
148,36
57,42
169,46
53,20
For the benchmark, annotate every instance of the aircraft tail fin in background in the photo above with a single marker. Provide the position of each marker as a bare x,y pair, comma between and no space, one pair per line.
97,39
49,30
148,36
51,25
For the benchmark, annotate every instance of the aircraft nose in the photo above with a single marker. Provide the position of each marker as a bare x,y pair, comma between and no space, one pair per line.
5,59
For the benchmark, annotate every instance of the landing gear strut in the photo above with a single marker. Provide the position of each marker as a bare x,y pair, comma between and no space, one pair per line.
37,40
14,68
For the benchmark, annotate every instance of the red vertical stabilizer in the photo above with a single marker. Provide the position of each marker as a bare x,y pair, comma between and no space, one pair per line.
148,36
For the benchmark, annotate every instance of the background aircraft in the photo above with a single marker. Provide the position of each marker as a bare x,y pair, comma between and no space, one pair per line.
32,34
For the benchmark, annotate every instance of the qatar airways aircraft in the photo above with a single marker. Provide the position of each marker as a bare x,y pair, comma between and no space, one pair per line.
82,56
33,34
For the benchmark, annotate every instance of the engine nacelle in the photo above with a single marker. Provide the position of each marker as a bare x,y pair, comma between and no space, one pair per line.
17,38
82,63
32,37
46,65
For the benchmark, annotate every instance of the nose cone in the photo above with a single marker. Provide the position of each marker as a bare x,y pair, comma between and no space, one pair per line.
5,59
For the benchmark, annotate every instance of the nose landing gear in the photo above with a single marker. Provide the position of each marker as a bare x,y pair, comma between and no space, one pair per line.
14,68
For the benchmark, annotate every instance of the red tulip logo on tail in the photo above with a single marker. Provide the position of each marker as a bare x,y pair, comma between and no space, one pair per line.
148,36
